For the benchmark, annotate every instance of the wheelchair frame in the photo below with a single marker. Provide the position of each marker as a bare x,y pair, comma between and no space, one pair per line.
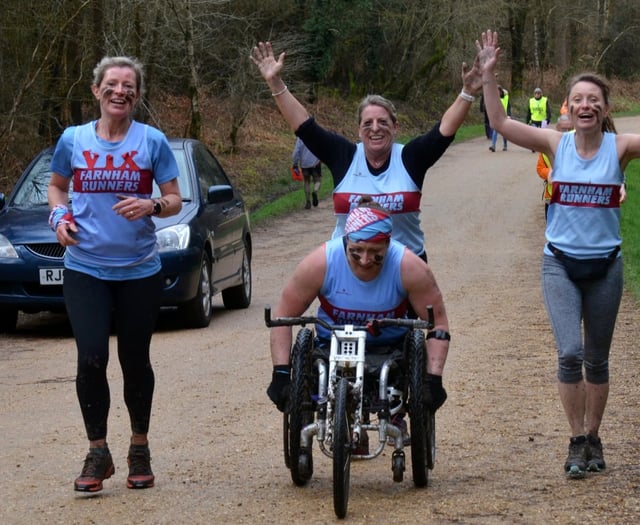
330,403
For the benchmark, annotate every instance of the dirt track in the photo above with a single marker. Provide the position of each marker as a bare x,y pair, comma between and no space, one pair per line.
216,438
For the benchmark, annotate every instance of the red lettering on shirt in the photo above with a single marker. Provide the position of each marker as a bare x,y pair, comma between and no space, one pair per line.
585,195
398,202
128,177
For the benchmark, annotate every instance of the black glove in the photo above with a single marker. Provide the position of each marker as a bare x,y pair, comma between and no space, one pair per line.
278,390
434,393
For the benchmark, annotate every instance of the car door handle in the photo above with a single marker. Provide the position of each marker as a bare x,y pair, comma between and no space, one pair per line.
226,209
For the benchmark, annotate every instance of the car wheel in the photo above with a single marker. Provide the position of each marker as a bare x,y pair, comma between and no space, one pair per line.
197,312
239,296
8,319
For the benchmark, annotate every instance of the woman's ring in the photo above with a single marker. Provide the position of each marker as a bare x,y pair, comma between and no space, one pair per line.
130,214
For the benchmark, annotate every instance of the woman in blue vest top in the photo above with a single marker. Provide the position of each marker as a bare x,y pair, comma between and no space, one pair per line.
363,275
582,266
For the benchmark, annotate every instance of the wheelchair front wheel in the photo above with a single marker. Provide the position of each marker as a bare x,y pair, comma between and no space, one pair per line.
341,449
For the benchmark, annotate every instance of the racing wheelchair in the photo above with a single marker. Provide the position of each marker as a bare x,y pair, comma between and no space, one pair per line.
337,400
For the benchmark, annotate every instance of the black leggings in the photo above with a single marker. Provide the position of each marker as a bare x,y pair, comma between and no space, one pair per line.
132,306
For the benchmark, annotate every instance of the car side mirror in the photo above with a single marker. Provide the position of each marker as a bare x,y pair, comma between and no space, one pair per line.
2,201
219,193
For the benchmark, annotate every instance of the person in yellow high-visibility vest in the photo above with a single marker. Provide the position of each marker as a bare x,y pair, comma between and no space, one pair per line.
538,110
506,104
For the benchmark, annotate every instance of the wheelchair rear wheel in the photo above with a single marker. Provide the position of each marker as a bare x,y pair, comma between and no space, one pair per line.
299,460
341,449
422,421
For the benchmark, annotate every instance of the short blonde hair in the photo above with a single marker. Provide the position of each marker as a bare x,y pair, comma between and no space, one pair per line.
121,61
378,100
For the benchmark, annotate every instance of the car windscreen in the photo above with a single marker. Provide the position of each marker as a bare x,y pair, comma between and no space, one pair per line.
33,189
183,177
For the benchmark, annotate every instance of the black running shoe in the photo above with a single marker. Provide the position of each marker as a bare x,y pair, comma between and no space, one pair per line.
576,464
140,474
98,466
314,198
595,461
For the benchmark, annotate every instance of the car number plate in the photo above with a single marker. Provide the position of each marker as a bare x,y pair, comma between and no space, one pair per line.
49,276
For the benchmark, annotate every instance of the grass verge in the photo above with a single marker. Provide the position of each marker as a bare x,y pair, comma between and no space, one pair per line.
630,228
292,201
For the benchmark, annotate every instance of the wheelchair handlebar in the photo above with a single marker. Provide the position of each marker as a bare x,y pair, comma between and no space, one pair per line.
372,325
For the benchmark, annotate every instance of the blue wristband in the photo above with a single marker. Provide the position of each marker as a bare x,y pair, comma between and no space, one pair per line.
58,211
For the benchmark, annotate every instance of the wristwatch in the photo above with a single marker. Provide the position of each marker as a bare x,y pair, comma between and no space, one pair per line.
157,208
443,335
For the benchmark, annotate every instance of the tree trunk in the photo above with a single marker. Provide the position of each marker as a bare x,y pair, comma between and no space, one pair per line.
195,126
517,20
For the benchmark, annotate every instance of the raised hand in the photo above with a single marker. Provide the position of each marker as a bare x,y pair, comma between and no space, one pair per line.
472,77
263,57
488,51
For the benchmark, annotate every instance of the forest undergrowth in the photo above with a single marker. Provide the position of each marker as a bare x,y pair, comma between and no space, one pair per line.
258,163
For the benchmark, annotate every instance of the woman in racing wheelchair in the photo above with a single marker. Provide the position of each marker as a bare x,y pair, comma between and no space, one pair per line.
361,276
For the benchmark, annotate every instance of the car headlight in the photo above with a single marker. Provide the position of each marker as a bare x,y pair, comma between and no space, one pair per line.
174,237
7,251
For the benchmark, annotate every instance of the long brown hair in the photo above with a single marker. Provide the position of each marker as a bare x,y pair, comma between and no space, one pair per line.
601,82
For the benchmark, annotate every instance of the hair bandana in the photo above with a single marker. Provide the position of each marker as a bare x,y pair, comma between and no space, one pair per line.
368,224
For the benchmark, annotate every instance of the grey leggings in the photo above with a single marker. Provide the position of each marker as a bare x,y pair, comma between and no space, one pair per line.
570,305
